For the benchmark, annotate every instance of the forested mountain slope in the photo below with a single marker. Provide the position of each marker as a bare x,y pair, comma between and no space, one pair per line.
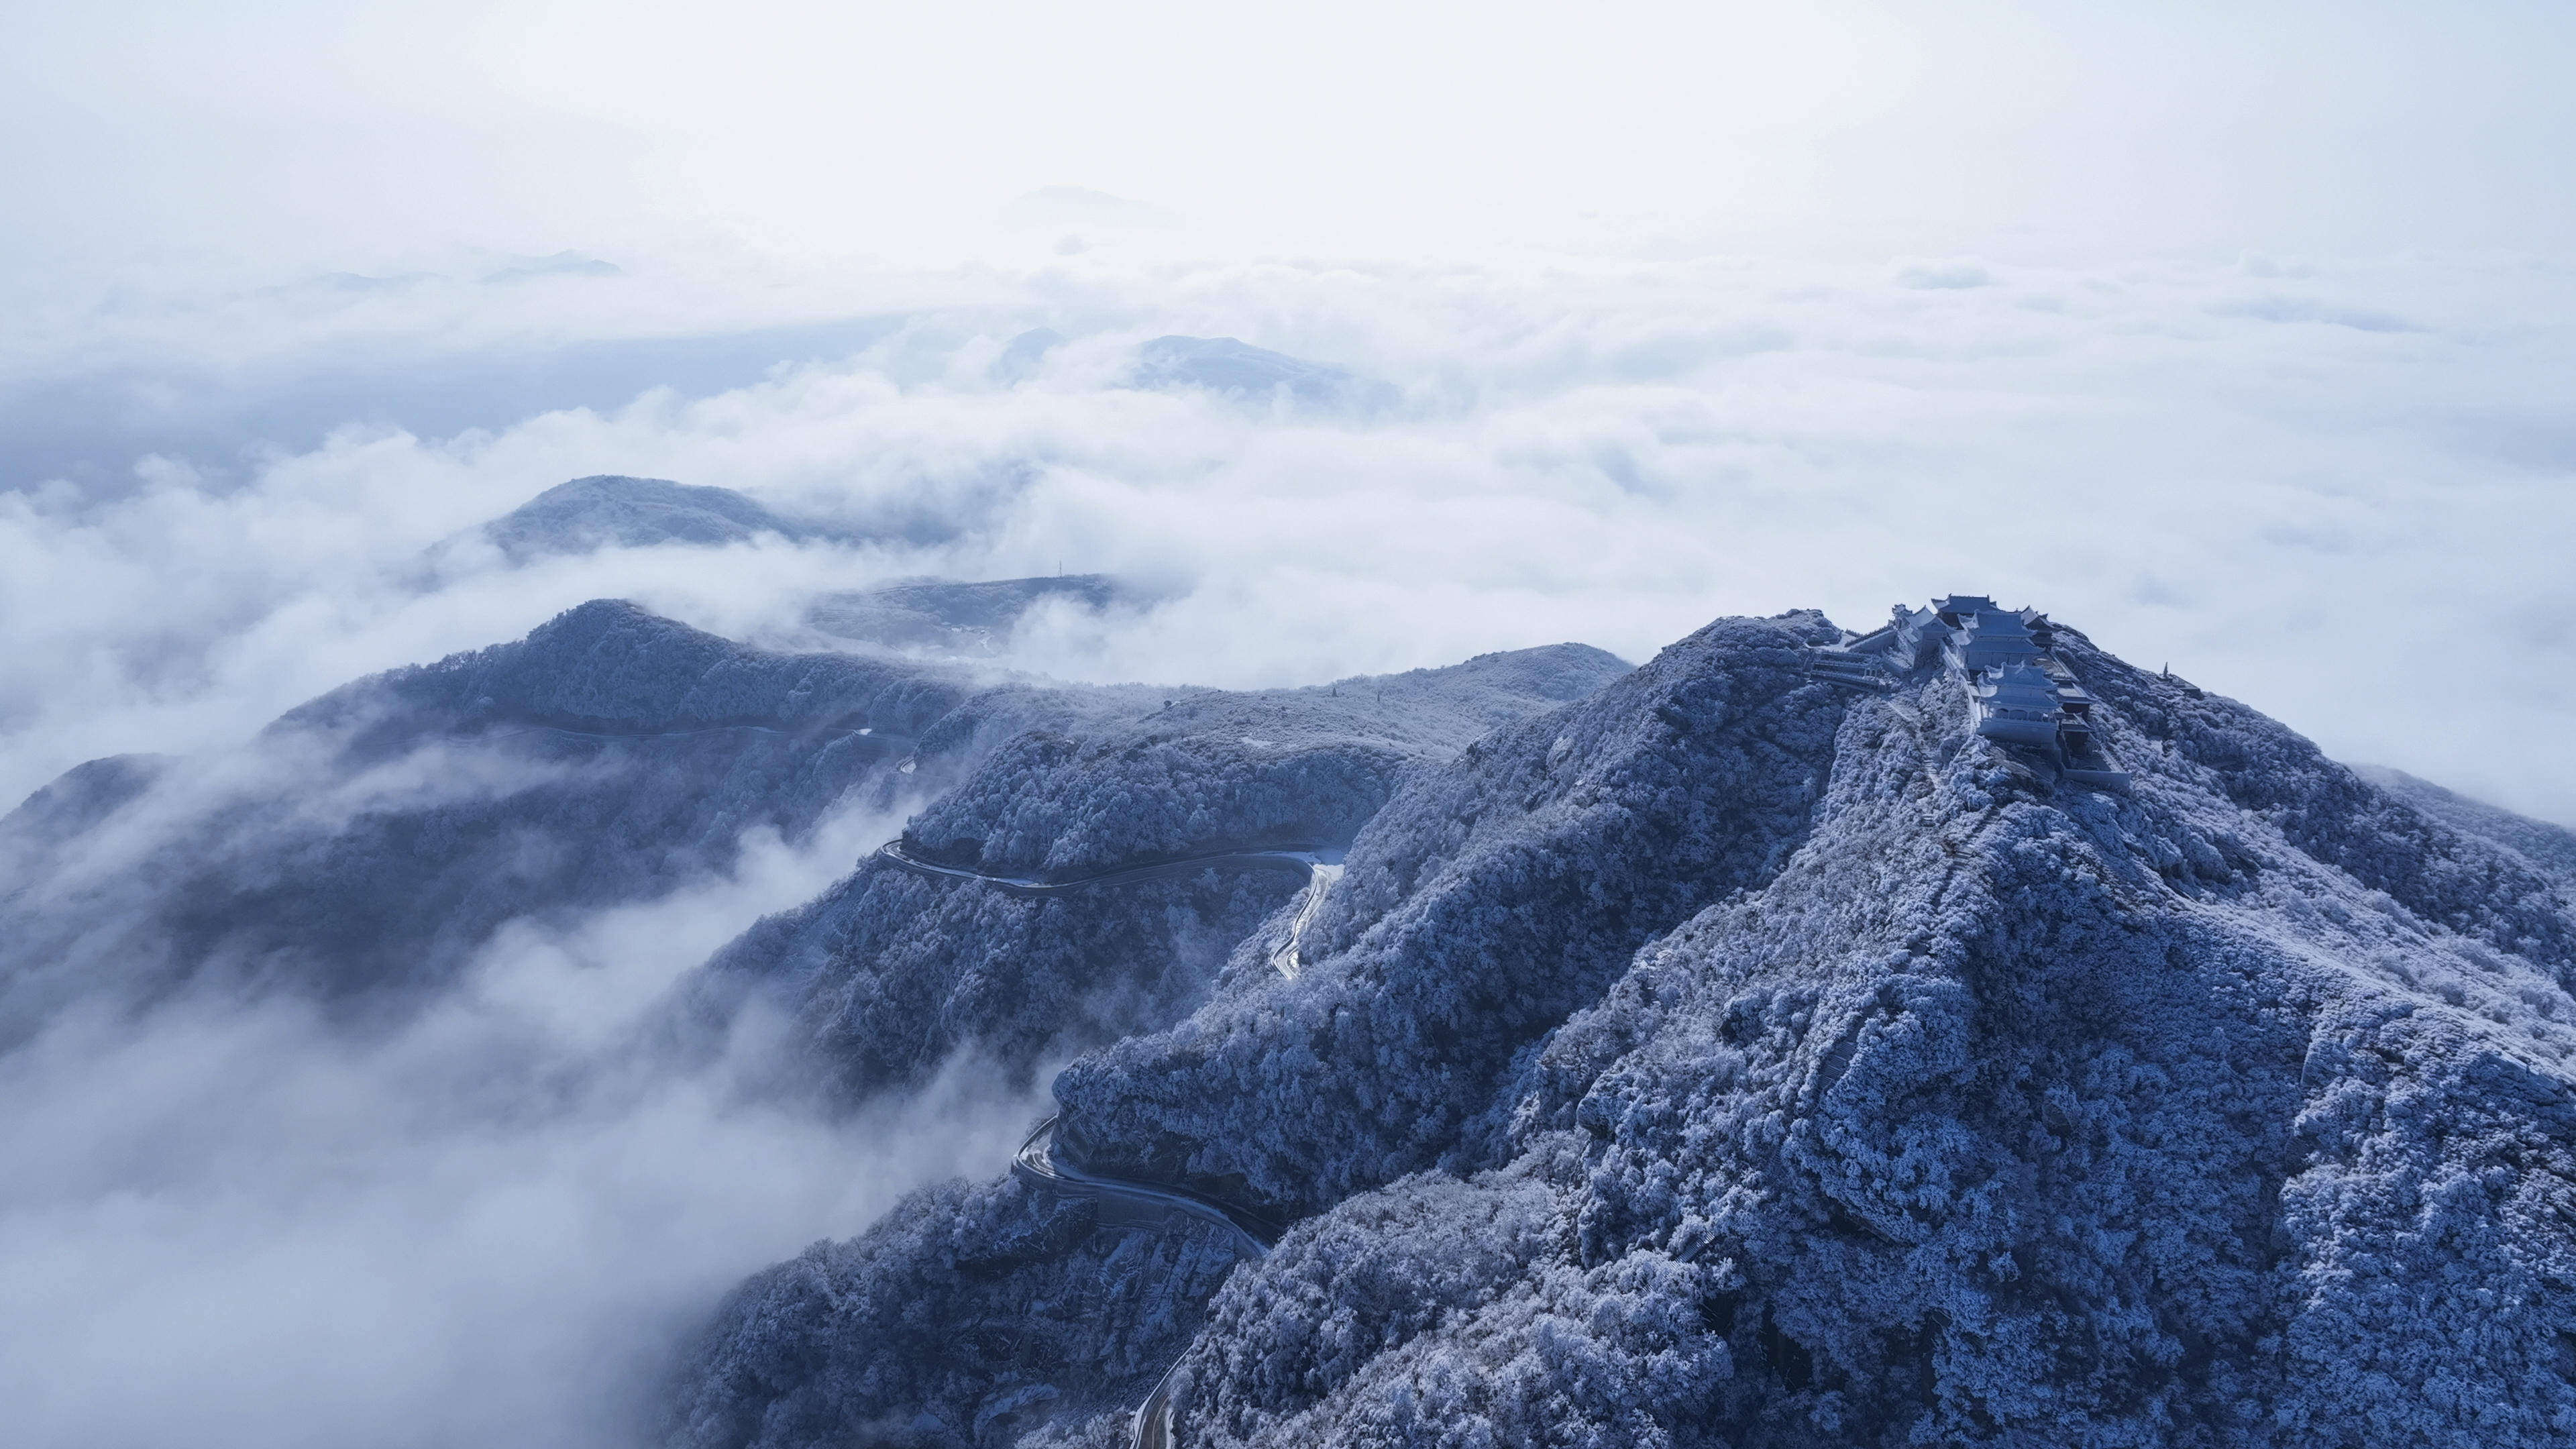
2549,848
373,838
1734,1058
892,971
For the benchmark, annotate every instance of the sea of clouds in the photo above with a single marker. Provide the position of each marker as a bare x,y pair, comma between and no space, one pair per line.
2337,490
2236,338
234,1223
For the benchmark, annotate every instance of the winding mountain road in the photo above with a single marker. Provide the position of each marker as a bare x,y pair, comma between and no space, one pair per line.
892,744
1288,962
1139,1203
1306,862
1130,1202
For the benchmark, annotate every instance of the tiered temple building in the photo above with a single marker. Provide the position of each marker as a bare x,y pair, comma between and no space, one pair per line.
2019,692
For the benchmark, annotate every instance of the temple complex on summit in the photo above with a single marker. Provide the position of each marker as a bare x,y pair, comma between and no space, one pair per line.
2019,692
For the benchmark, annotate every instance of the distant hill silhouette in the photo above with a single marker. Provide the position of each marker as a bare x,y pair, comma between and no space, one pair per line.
607,510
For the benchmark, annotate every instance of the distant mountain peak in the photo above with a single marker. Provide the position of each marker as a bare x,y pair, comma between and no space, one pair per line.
608,510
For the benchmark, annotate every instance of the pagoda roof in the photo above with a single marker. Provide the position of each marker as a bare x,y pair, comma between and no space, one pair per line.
2019,686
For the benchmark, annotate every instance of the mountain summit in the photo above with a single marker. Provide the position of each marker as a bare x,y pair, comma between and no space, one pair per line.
1945,1035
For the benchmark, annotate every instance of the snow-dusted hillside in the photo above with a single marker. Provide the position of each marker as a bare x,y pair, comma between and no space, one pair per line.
891,971
375,838
1731,1057
371,839
2550,849
609,511
1706,1053
393,976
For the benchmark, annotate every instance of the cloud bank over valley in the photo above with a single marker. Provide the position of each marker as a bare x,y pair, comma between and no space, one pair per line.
486,1225
2214,464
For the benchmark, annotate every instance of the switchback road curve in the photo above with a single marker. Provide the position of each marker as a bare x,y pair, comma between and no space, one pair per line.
1143,1204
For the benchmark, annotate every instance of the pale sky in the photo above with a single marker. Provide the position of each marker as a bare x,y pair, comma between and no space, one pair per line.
284,136
2202,324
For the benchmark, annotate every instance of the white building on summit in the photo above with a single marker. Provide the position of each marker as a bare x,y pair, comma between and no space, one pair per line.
2019,692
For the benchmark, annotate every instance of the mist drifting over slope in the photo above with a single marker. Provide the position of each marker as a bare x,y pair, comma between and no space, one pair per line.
484,1225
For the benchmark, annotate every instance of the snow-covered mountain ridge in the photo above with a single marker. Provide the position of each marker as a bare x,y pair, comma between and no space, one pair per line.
1730,1057
372,840
1739,1049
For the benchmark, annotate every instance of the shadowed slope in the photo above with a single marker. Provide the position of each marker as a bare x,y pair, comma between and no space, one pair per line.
1484,904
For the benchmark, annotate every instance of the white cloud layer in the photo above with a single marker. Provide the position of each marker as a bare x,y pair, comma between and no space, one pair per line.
232,1226
2338,489
283,128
